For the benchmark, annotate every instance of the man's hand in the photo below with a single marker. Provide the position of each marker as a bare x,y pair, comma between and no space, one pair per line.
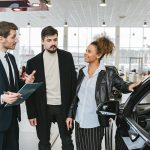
30,78
69,122
10,97
33,122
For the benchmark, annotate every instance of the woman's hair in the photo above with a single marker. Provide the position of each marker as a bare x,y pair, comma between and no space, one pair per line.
104,46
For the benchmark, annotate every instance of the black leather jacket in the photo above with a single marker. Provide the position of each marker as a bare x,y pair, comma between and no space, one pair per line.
105,82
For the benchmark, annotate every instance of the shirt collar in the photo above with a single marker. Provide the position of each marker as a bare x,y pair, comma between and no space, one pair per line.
2,54
101,67
50,54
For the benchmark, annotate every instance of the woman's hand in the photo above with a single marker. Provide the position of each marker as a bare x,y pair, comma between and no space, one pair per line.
133,86
69,123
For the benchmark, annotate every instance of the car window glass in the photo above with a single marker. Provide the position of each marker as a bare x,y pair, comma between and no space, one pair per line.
141,113
146,99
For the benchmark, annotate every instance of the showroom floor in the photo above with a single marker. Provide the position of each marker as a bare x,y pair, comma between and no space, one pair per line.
28,138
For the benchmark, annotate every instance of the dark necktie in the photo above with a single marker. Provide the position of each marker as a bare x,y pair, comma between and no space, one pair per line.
11,79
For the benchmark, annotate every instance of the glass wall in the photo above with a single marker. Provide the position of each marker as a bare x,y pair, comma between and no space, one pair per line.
134,42
30,43
80,38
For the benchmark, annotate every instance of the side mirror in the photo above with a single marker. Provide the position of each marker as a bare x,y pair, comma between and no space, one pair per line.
109,108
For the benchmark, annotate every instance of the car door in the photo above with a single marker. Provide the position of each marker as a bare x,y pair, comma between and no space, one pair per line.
136,118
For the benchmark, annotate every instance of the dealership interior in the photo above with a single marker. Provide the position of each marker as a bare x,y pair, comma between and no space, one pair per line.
79,22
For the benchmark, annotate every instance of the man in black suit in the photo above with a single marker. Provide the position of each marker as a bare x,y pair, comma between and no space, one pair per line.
9,85
51,102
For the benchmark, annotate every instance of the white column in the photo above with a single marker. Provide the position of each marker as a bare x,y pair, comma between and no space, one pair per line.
65,41
117,46
16,51
16,54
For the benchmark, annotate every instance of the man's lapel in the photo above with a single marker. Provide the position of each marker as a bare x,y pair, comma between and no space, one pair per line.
60,61
15,70
3,73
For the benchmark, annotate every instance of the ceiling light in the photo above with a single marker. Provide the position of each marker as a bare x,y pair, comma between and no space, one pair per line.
48,3
16,9
14,3
103,24
23,5
28,25
145,24
103,3
122,16
65,24
35,4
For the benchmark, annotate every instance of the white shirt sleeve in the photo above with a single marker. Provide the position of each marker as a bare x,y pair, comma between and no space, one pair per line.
1,98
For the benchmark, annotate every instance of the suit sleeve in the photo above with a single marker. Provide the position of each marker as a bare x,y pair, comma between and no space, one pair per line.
74,78
30,102
74,105
1,102
120,84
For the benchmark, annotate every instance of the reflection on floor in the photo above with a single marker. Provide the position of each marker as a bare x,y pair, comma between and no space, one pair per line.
28,138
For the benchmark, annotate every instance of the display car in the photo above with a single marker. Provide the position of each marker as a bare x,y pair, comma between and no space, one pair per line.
132,119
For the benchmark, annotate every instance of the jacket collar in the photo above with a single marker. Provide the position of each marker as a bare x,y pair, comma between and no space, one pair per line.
101,67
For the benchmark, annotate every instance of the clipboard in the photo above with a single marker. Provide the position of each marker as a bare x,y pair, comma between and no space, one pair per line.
25,92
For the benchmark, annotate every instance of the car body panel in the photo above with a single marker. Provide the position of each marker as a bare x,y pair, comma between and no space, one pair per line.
133,119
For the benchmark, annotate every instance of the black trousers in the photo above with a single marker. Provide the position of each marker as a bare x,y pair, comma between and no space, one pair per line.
54,112
88,138
9,139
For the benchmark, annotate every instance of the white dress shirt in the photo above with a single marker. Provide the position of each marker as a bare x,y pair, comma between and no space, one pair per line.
5,64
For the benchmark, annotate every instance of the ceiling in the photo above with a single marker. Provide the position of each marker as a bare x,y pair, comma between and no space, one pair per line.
84,13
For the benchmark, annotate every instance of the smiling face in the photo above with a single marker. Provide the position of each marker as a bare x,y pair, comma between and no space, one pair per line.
91,54
9,42
50,43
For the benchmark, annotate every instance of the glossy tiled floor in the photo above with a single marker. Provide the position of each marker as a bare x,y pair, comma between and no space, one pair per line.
28,138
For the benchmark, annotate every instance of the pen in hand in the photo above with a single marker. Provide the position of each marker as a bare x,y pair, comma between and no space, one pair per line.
10,93
10,97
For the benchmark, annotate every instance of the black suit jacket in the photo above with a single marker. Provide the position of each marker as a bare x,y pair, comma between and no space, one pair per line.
6,113
36,104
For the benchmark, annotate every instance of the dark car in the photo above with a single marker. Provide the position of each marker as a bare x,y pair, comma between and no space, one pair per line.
132,119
